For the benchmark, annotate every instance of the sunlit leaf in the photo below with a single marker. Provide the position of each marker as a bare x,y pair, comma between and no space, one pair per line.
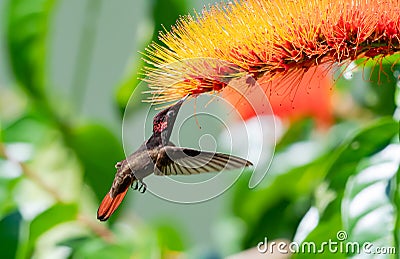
396,205
343,164
169,238
368,215
97,249
107,252
53,216
17,130
314,244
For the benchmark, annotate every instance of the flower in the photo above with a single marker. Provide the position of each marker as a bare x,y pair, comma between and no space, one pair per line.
269,40
311,101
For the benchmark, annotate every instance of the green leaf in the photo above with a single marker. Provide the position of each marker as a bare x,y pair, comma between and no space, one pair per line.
285,200
366,142
163,19
323,233
396,204
99,150
27,28
7,187
51,217
38,127
169,237
298,131
367,214
344,162
9,234
376,91
105,252
97,249
395,199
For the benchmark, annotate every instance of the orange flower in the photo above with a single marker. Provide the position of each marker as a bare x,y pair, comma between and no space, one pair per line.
310,101
269,40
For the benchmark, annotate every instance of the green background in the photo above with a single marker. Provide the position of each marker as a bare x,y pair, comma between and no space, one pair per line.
67,70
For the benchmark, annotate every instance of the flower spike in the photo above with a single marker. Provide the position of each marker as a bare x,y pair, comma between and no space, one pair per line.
268,40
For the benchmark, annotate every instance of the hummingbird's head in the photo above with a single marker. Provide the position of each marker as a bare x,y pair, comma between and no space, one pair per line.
166,118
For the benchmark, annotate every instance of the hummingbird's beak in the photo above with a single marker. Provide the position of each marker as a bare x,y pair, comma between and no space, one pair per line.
182,100
178,105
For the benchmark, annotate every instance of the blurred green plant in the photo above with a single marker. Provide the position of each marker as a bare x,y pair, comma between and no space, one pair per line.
27,26
162,20
45,157
327,182
54,170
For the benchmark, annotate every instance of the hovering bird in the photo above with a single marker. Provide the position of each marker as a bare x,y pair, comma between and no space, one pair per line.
159,156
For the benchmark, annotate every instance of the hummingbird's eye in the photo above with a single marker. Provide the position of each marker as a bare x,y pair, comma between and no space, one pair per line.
170,113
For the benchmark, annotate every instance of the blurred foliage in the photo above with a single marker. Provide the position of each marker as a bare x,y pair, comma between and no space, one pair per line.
343,164
99,151
9,234
163,20
54,170
27,26
37,128
46,220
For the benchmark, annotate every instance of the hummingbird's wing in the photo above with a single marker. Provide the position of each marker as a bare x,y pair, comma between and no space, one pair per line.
178,160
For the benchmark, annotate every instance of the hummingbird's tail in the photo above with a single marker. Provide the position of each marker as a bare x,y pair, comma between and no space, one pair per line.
109,205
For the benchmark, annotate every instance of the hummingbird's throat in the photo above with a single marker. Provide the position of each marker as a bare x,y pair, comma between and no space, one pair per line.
160,126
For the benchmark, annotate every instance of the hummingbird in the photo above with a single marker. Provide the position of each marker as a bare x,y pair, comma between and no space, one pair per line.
160,156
